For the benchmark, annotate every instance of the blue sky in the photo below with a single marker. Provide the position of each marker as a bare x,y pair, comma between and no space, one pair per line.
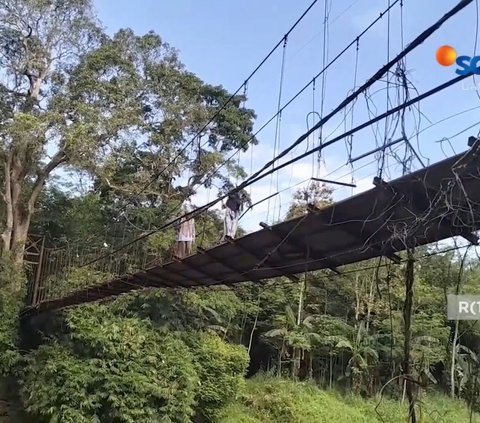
222,41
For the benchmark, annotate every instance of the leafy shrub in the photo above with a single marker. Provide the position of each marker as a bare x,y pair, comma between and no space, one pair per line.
58,385
118,369
76,278
221,368
272,400
12,288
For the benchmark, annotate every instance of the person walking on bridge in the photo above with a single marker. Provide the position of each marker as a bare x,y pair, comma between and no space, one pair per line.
233,208
185,236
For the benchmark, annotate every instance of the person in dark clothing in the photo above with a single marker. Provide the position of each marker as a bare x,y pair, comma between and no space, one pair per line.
233,209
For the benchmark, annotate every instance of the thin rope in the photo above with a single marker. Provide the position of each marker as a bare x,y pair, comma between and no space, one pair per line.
477,12
324,79
251,167
245,93
313,113
244,102
205,217
313,110
349,139
237,170
403,66
276,147
401,25
382,161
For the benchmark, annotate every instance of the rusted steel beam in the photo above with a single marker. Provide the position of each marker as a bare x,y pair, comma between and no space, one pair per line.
298,245
256,256
375,248
239,273
445,223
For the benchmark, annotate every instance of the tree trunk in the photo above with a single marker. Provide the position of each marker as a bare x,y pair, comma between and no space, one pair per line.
300,301
253,331
357,298
296,363
17,166
296,353
280,355
452,367
331,371
19,239
392,362
18,214
242,326
310,364
407,317
323,382
370,300
455,335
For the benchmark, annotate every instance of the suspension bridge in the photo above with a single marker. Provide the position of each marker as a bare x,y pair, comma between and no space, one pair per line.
435,203
429,205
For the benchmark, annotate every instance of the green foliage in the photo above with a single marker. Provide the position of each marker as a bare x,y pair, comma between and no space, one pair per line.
221,368
72,95
57,385
161,243
271,400
12,283
122,371
185,310
128,370
316,193
75,279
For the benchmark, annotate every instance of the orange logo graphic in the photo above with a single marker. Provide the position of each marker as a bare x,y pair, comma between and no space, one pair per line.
446,55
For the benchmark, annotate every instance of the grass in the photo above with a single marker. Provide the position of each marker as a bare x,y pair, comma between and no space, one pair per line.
268,399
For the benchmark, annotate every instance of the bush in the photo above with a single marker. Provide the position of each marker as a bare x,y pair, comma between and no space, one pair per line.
117,369
272,400
75,279
58,385
12,289
221,368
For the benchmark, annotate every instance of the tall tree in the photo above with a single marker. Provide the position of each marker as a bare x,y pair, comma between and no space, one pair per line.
72,96
316,193
39,39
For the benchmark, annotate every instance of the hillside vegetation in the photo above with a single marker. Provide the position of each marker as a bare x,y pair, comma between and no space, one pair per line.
268,399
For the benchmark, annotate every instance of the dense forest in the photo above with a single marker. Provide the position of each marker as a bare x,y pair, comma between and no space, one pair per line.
95,152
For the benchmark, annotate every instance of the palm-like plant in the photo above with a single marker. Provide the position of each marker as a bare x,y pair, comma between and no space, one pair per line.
363,357
468,372
292,337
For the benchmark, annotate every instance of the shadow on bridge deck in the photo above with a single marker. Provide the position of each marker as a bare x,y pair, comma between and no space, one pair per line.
432,204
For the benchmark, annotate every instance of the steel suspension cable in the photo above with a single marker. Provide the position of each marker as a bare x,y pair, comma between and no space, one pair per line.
258,175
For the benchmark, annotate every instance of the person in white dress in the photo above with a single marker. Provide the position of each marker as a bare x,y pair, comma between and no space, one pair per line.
185,236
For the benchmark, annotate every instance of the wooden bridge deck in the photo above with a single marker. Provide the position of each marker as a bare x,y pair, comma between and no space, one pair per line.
426,206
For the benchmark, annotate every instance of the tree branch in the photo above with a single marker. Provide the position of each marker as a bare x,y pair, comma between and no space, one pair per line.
42,176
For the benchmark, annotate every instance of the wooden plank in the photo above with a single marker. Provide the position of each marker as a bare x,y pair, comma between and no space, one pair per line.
185,278
239,273
205,274
298,245
153,275
256,256
362,239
